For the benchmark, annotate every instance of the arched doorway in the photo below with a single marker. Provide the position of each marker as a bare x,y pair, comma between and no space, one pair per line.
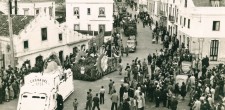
75,50
61,57
26,63
39,62
39,58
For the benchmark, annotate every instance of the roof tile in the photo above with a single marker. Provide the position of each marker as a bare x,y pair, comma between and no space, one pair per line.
18,23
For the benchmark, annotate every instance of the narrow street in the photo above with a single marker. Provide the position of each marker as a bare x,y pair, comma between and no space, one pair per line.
144,47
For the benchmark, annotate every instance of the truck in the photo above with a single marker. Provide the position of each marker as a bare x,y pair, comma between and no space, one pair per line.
130,28
41,90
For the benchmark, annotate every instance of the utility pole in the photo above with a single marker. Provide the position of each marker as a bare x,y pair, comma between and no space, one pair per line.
11,35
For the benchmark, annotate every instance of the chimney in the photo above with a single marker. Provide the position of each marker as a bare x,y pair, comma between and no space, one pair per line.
16,7
10,7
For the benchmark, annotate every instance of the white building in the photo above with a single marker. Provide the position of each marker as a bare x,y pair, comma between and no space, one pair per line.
154,9
29,7
201,28
86,16
36,37
169,13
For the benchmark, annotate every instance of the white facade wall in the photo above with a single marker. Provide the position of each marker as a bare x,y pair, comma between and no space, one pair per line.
4,44
92,19
37,47
30,6
3,6
201,32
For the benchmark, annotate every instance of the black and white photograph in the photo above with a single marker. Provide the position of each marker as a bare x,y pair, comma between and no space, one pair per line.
112,54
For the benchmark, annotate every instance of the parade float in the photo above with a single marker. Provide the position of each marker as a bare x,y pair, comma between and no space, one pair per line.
93,67
41,90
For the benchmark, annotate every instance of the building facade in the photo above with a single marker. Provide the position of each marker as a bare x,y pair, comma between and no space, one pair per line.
90,16
37,37
201,28
29,7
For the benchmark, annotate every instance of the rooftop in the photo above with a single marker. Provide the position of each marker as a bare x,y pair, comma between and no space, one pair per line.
19,22
206,3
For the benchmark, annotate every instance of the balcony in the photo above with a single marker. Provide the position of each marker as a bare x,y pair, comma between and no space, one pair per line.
171,19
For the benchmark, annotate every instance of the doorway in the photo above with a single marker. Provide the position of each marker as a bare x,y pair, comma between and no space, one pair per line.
214,46
61,56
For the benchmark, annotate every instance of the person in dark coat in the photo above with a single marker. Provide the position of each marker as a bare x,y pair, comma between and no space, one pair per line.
126,105
149,59
122,90
96,101
157,97
183,90
59,100
164,97
174,103
176,89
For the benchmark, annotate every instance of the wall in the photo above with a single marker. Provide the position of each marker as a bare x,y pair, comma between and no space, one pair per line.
33,6
4,43
92,19
3,7
29,5
204,47
32,33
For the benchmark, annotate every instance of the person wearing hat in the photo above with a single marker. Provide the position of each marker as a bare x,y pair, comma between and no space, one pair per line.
75,104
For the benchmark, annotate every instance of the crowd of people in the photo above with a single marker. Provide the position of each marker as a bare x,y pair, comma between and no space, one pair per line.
10,82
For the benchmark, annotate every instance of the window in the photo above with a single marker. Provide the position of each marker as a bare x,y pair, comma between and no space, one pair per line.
25,44
101,12
60,37
184,22
44,34
216,25
189,23
88,11
36,11
76,11
26,11
101,28
50,11
76,27
89,27
185,4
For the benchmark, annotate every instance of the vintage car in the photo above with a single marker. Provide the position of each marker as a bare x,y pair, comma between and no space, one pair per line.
131,45
185,66
133,38
41,89
180,79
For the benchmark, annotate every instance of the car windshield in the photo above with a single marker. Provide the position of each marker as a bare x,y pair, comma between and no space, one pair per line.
130,43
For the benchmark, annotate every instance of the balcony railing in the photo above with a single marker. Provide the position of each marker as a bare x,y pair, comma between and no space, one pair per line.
171,19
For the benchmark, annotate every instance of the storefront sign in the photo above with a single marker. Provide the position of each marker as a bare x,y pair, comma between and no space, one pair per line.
38,81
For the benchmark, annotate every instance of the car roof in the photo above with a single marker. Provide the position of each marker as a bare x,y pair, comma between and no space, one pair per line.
130,41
